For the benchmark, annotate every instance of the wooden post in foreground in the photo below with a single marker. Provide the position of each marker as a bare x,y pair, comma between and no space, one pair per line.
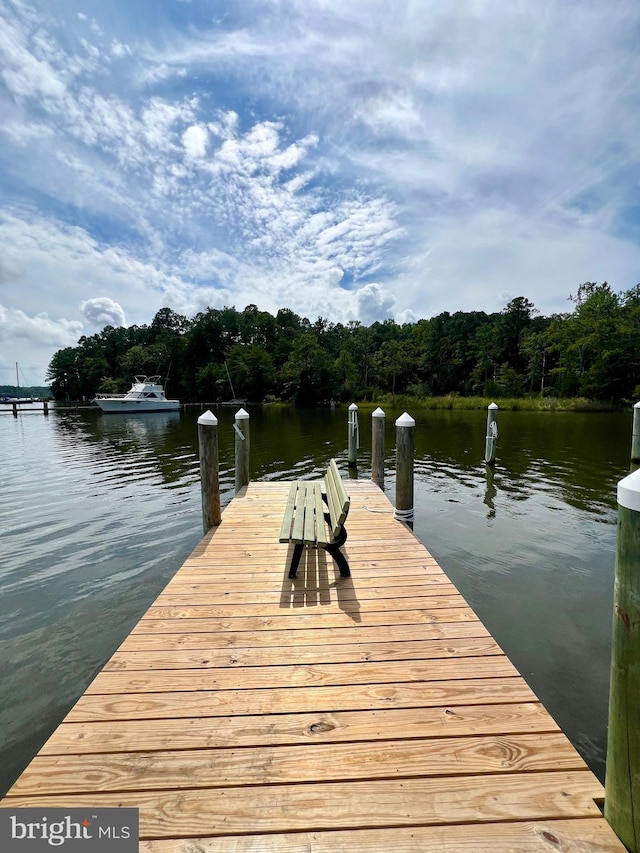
15,410
635,438
209,470
45,407
405,427
353,434
622,783
241,426
492,435
377,447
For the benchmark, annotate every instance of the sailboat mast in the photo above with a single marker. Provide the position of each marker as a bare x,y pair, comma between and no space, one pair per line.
17,377
233,393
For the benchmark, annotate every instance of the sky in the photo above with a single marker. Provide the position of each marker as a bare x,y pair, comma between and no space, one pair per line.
345,159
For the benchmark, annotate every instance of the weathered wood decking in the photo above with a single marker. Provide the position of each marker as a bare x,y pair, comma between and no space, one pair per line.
246,711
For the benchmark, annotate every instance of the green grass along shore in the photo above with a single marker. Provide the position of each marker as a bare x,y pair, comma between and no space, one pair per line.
505,404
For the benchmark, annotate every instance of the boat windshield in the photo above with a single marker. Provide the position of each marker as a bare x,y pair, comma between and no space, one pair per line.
147,380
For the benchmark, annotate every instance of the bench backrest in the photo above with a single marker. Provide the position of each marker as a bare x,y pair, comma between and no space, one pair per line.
337,498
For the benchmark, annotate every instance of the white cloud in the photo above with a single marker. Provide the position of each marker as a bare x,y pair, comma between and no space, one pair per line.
195,139
23,73
102,311
393,113
40,329
119,49
374,304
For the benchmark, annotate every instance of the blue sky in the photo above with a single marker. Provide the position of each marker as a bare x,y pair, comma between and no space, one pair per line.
345,159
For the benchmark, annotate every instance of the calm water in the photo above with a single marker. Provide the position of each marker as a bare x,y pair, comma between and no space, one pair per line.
97,512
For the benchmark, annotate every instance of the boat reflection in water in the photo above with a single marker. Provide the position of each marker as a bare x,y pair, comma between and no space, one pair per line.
139,425
145,395
129,447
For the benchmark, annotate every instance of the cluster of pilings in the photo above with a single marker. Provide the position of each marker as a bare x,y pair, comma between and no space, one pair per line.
209,465
405,445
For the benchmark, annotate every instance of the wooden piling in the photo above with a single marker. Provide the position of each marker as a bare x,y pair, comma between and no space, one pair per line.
491,441
405,427
45,407
209,470
622,783
635,438
15,410
241,426
377,447
353,435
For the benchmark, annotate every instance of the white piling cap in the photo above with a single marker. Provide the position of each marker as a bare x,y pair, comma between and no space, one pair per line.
353,408
208,419
242,415
405,420
629,491
378,413
492,406
637,405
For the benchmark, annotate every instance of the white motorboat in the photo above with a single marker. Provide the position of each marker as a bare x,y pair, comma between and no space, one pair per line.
145,395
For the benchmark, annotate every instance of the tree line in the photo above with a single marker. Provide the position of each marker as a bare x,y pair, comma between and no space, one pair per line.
591,351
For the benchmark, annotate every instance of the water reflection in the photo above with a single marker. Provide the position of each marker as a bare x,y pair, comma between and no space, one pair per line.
490,491
144,426
120,449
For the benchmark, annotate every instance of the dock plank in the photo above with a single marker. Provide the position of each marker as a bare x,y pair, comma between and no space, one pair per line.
535,836
289,729
300,655
269,765
304,618
347,805
155,706
248,712
143,637
430,610
405,597
293,676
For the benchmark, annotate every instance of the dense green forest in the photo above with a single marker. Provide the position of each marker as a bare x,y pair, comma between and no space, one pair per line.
591,351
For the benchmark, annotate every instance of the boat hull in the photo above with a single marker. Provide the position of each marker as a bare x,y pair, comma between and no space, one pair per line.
111,407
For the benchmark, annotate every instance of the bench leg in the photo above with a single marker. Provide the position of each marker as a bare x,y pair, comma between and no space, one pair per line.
334,549
341,561
295,560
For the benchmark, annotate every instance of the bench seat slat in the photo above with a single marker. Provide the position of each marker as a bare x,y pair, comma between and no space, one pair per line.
321,528
309,534
336,497
287,521
342,497
331,502
297,532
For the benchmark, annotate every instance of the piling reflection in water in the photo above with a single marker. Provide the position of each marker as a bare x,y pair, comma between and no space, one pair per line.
490,491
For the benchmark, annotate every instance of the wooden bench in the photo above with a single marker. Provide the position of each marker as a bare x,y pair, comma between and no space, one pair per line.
307,524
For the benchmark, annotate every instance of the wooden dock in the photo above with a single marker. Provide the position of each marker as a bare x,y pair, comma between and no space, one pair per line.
248,712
